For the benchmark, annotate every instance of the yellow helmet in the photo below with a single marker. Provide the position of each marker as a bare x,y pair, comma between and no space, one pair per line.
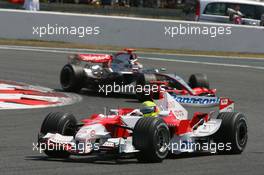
149,109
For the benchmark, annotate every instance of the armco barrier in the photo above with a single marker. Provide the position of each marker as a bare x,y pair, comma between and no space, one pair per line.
132,32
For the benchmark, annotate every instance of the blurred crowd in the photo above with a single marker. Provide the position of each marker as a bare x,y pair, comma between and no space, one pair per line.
34,4
128,3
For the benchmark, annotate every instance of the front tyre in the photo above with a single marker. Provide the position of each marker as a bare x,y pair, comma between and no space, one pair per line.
61,123
151,137
232,132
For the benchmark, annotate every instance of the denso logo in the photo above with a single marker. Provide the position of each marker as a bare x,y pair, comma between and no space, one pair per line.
197,100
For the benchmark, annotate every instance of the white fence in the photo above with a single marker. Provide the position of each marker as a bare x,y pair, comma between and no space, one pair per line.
130,32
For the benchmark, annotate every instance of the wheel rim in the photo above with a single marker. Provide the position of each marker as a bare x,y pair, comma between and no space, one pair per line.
162,141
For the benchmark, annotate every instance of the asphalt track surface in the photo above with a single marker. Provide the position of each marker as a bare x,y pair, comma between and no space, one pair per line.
19,128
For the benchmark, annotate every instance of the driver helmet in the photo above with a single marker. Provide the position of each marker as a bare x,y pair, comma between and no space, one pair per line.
149,109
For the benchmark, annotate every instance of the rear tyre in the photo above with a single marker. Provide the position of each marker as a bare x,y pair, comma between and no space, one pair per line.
232,132
199,80
71,78
61,123
142,81
151,137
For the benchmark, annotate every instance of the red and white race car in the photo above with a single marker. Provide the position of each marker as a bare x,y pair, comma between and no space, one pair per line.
151,139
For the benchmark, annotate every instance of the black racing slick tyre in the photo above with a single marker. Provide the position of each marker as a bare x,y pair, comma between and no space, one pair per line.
71,78
151,137
232,133
142,81
61,123
199,80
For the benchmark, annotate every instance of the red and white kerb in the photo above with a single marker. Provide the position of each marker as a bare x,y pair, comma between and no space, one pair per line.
15,95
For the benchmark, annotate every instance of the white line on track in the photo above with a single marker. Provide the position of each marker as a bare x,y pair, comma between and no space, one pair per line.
205,63
72,51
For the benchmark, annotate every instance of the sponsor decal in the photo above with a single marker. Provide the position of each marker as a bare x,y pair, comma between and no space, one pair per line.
168,103
92,133
197,100
95,57
224,101
226,105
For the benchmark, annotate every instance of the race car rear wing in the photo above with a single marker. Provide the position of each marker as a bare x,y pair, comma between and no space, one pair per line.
129,50
92,58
